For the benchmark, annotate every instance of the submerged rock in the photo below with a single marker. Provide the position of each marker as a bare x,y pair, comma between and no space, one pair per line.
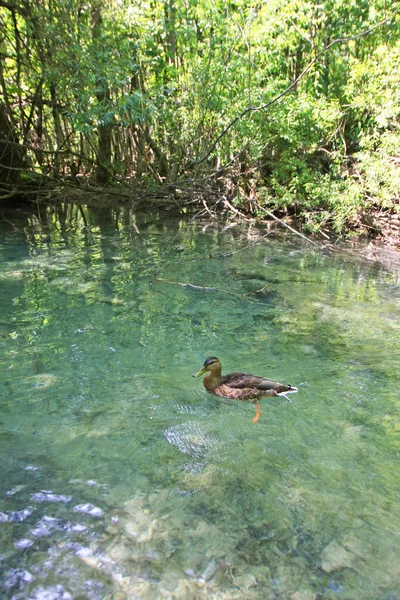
359,548
306,595
335,557
53,592
75,527
15,490
133,587
139,524
48,496
17,578
89,509
246,581
209,570
21,515
172,585
43,380
23,544
41,530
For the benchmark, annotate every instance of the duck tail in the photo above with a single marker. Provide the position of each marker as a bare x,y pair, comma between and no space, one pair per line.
290,390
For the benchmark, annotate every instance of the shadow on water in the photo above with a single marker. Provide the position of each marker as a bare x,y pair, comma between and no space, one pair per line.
123,478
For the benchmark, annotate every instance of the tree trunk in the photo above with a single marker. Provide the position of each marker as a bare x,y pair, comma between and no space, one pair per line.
11,153
57,126
103,97
170,30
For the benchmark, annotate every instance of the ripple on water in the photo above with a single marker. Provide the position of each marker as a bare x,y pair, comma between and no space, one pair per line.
191,439
53,538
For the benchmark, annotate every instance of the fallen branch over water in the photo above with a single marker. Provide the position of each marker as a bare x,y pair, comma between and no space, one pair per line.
270,214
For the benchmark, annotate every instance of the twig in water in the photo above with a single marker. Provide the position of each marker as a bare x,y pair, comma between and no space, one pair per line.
264,287
202,287
239,249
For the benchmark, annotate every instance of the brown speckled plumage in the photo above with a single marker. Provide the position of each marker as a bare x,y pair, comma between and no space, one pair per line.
239,386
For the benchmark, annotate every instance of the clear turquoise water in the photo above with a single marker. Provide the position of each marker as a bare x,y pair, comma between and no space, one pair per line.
121,477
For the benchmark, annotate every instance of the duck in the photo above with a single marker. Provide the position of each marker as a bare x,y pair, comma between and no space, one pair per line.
240,386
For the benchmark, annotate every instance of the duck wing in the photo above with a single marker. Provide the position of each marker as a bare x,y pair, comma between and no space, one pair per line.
246,380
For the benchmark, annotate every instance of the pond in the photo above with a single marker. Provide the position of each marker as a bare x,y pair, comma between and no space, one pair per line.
122,477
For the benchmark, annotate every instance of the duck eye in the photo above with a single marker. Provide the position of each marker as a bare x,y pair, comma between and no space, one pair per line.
210,361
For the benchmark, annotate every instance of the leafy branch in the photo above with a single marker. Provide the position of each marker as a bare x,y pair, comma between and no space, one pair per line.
252,109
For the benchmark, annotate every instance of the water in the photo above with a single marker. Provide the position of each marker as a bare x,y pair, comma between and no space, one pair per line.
122,478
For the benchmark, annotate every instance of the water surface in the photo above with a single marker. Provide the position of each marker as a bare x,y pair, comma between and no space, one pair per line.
121,477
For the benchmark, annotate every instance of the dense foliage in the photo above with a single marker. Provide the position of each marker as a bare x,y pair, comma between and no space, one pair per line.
286,107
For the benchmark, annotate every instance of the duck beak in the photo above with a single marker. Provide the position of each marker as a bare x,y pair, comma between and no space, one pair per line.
201,372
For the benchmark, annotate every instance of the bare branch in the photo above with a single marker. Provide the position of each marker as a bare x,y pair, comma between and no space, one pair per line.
270,214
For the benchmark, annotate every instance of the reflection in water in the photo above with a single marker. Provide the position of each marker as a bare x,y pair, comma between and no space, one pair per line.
121,475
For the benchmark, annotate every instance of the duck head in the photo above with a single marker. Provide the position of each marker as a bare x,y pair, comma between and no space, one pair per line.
212,363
